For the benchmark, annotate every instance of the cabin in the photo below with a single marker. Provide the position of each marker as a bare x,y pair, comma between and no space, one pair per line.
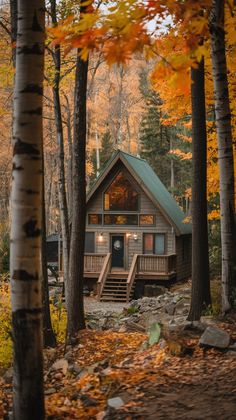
135,232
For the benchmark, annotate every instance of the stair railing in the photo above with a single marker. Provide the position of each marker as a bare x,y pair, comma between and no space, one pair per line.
103,275
131,276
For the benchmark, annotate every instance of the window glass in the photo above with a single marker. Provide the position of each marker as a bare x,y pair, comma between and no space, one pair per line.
121,219
154,243
121,195
159,244
148,243
146,219
94,219
89,243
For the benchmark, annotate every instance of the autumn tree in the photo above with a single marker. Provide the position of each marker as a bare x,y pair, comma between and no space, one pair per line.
26,227
200,259
225,153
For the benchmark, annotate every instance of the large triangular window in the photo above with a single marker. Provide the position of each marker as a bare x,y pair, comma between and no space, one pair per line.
120,195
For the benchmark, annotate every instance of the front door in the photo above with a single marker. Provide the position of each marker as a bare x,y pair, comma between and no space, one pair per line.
117,250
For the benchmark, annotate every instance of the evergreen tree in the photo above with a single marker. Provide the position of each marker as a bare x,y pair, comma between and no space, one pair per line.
156,141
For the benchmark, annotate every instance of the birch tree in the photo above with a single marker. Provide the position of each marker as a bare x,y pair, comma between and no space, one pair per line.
25,262
225,154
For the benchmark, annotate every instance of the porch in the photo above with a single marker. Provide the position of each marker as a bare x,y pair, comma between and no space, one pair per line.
118,284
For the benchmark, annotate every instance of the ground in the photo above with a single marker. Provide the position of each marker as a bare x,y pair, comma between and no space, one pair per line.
168,380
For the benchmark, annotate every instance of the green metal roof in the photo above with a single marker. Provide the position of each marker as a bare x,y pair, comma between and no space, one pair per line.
150,182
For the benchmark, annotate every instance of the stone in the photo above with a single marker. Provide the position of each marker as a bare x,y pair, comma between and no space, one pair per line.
214,337
233,347
170,308
115,402
61,364
153,290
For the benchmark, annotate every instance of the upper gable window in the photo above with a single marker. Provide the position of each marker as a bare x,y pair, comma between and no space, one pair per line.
121,195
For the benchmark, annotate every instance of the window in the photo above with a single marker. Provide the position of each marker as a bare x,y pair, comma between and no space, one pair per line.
146,219
121,195
154,243
121,219
94,219
89,243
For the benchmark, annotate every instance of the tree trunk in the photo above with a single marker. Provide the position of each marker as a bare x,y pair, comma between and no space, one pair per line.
75,307
200,259
27,213
225,155
65,231
49,338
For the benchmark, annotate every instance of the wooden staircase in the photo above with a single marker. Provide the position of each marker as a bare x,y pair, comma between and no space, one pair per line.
116,288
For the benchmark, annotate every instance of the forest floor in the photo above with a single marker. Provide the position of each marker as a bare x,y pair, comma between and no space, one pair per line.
111,376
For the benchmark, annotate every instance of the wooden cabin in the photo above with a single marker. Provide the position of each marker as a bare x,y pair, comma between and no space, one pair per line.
135,233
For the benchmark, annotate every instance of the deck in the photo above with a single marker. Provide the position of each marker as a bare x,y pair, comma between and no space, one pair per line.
148,267
117,284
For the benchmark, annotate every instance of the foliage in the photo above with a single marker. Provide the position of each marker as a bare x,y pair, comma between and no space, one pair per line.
59,321
214,248
4,248
5,326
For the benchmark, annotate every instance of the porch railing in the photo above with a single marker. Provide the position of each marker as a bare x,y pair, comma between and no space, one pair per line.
103,275
163,264
93,263
131,276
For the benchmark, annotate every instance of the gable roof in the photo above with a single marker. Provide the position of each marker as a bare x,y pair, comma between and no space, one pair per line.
152,185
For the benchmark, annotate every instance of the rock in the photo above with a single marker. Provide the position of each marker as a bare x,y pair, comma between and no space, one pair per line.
132,326
214,337
153,290
60,364
170,308
115,402
182,307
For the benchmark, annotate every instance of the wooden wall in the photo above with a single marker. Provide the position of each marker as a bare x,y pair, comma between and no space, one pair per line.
162,225
184,255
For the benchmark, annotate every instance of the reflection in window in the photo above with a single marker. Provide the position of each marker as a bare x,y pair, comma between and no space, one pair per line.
120,219
94,219
146,219
154,243
121,195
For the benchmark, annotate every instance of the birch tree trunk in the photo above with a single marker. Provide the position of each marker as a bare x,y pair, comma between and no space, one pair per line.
26,227
75,305
225,155
200,259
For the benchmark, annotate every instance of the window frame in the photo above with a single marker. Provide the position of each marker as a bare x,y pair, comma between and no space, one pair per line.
126,175
147,214
153,245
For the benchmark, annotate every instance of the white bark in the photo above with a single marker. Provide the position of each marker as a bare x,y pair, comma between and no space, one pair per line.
25,263
225,152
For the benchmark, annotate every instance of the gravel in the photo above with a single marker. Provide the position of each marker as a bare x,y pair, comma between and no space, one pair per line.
92,305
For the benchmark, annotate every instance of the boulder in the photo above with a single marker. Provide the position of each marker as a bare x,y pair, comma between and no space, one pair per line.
153,290
214,337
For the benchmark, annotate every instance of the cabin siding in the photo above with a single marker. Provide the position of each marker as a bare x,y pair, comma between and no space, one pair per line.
183,251
161,225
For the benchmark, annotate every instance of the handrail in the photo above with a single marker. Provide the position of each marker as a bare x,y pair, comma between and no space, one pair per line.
164,262
103,275
131,276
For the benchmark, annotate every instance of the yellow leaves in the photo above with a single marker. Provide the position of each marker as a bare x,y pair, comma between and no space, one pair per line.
182,155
